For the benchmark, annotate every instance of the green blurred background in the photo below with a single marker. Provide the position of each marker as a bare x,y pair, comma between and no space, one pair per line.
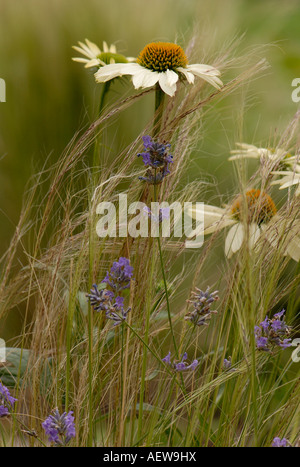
49,97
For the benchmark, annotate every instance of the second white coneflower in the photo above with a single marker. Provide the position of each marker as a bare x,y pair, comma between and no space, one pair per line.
253,210
95,57
250,215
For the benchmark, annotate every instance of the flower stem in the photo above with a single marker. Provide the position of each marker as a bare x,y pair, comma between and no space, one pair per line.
145,353
159,108
165,281
104,93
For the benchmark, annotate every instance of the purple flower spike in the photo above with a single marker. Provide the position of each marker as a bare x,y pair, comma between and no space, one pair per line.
202,302
103,300
280,314
118,279
3,411
157,159
167,359
120,275
164,213
60,429
285,343
6,401
182,365
272,332
262,343
227,365
265,324
280,443
193,365
117,313
100,299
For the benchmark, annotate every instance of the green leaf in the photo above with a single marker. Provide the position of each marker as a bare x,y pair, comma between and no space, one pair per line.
83,303
152,375
16,364
162,315
147,408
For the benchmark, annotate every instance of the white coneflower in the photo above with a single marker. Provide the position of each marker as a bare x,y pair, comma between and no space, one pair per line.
95,57
259,209
250,216
249,151
162,63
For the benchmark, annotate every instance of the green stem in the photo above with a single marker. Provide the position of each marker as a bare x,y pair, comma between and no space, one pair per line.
159,109
292,297
122,433
104,92
105,89
145,353
90,351
165,281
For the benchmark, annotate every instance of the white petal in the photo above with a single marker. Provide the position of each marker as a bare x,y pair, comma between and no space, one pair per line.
85,50
214,218
289,234
81,51
243,156
289,179
206,69
145,78
246,146
167,81
254,234
93,63
281,172
189,76
208,73
217,225
105,47
80,60
234,239
294,181
93,47
208,208
293,249
247,150
109,72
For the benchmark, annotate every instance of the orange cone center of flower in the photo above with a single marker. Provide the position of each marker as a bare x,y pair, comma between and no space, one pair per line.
162,56
258,205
